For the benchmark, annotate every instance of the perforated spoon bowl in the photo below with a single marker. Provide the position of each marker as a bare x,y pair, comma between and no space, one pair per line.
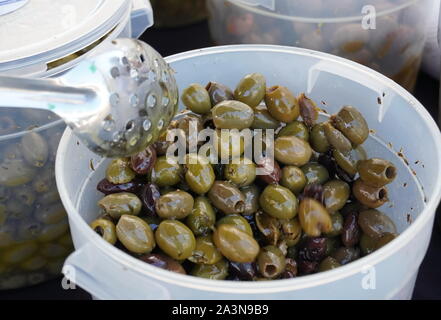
117,102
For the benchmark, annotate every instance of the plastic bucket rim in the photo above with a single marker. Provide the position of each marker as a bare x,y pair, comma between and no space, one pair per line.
271,286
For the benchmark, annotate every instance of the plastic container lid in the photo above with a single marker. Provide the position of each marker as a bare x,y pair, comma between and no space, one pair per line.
45,30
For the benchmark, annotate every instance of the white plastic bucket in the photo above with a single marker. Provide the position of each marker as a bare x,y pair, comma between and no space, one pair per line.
400,123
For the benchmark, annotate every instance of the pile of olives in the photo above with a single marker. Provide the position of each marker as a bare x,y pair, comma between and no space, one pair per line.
313,210
34,230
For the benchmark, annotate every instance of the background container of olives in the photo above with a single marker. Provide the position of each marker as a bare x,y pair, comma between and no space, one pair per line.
394,48
176,13
327,87
34,229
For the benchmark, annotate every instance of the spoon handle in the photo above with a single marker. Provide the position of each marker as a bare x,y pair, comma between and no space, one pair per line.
45,94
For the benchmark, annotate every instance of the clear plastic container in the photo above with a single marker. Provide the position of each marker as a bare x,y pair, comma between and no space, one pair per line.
393,48
177,13
399,125
34,230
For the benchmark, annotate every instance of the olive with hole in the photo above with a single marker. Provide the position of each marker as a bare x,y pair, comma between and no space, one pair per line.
375,223
279,202
196,98
175,239
371,197
336,193
376,172
120,171
199,174
166,172
234,244
174,205
251,89
205,251
202,218
217,271
231,114
352,124
269,227
336,138
135,234
218,92
237,221
263,119
271,262
314,218
241,172
291,150
293,178
317,138
295,128
226,197
251,194
118,204
282,104
315,173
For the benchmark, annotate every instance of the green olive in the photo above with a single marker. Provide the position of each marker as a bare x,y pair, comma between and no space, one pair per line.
218,92
346,161
269,227
336,193
291,231
293,178
241,172
228,144
328,263
318,139
25,194
295,128
35,149
175,239
226,197
263,119
50,214
251,194
376,172
352,124
34,263
135,234
332,244
202,218
314,218
118,204
15,173
385,239
45,180
375,223
315,173
196,98
336,138
337,225
371,197
166,173
344,255
367,244
237,221
231,114
17,209
205,251
18,253
199,174
271,262
174,205
251,89
234,244
282,104
119,171
217,271
279,202
51,232
291,150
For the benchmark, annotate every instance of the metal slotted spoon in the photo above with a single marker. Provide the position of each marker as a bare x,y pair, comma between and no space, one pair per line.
117,102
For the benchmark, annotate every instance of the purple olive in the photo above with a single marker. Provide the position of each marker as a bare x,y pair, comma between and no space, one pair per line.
351,231
272,171
313,249
163,262
290,269
149,194
106,187
243,271
144,161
